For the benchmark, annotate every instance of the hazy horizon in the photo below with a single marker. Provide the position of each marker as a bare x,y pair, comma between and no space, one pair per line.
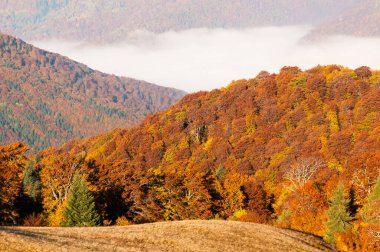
204,59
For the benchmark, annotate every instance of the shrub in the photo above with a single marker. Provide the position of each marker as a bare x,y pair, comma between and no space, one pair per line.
33,220
122,221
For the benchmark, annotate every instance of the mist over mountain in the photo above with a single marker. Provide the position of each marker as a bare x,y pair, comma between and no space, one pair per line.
47,99
204,59
167,42
102,21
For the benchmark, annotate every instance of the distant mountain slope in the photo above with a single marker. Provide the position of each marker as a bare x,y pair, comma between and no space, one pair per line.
363,20
193,236
112,20
47,99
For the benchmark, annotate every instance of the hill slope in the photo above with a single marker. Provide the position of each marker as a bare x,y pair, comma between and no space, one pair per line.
106,21
47,99
169,236
269,149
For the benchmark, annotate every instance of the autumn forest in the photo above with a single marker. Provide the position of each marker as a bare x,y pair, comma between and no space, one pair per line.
298,150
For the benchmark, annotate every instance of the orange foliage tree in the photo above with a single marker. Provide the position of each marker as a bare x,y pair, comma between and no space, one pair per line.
12,164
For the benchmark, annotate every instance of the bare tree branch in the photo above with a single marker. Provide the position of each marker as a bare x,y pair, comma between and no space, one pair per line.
303,171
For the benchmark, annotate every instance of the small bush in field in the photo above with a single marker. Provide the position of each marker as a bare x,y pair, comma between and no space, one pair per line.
238,214
33,220
253,217
122,221
107,223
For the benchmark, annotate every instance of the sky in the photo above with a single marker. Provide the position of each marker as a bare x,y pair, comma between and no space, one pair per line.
204,59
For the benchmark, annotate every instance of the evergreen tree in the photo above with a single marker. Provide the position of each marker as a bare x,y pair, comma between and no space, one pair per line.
30,202
80,210
371,211
338,214
31,183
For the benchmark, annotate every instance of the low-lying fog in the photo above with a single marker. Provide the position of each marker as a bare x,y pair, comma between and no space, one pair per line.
204,59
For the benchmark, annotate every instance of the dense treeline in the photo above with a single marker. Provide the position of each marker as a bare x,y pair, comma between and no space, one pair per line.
42,93
298,149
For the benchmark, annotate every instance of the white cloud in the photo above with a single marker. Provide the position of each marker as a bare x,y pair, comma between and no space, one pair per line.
203,59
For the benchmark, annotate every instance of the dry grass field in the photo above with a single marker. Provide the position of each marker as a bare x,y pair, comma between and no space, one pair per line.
165,236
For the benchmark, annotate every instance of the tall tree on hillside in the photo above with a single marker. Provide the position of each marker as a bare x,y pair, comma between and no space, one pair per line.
80,210
56,176
371,218
371,211
30,202
31,182
338,214
12,165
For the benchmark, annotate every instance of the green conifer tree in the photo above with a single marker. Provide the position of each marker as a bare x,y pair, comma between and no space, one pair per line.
80,210
371,211
31,183
338,214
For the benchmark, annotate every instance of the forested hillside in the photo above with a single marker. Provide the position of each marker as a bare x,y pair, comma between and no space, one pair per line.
298,149
361,21
104,21
47,99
